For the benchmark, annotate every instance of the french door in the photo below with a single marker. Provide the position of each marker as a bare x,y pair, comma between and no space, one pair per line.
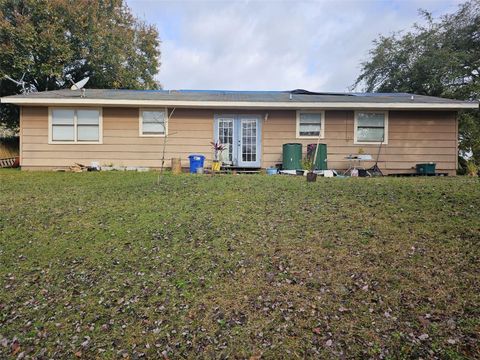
241,135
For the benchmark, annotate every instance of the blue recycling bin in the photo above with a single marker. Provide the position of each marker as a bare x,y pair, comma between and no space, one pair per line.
196,161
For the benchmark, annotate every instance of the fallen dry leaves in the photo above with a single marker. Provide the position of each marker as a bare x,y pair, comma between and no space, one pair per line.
111,265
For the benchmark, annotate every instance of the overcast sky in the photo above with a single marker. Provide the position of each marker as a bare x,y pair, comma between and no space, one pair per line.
273,45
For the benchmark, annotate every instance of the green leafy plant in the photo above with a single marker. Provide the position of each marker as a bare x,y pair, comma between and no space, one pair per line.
472,168
307,163
218,148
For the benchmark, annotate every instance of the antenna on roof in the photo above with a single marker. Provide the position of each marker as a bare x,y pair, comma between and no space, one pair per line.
78,85
26,88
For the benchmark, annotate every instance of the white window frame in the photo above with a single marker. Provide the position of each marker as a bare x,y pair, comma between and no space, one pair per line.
385,131
140,122
322,124
75,141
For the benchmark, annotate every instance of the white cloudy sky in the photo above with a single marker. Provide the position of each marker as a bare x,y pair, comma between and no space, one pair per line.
273,45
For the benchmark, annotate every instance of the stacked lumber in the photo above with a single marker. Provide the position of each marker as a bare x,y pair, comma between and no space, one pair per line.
78,168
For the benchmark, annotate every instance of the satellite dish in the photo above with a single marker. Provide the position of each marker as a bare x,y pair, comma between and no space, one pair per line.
80,84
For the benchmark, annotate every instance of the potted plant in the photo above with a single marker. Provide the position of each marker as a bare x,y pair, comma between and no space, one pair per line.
217,150
308,165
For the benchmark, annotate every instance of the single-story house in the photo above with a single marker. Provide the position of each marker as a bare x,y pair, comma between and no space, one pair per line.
128,127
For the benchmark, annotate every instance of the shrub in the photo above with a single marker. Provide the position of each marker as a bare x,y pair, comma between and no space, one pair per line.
472,168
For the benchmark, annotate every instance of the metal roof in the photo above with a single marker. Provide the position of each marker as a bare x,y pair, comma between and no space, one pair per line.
224,98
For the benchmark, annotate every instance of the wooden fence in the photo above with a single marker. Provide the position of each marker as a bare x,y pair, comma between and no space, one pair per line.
9,147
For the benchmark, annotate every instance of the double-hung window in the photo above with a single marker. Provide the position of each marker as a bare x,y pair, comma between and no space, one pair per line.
153,122
371,127
310,124
75,125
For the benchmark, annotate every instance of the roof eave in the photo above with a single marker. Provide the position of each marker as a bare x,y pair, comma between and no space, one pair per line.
236,104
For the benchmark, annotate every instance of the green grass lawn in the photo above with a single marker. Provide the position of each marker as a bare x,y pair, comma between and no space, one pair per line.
113,265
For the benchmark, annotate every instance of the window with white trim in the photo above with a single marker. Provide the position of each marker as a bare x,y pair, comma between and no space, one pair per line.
153,122
371,127
75,125
310,124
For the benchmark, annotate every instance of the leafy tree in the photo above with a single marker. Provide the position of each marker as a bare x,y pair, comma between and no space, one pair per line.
49,41
441,58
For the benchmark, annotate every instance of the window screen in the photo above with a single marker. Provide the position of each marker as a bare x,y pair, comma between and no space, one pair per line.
88,125
63,125
153,122
310,124
75,125
370,127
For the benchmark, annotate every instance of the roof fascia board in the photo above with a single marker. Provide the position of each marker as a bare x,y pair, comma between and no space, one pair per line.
236,104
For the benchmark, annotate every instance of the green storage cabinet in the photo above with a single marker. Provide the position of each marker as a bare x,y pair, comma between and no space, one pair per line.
321,161
426,169
292,156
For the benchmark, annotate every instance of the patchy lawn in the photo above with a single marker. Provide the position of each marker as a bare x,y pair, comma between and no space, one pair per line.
113,265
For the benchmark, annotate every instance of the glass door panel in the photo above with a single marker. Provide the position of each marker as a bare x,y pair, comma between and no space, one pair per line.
241,136
226,137
249,142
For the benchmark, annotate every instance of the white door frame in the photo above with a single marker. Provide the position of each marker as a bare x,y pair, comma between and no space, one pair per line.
238,119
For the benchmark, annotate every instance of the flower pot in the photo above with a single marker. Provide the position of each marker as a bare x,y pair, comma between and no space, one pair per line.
271,171
311,177
216,164
16,162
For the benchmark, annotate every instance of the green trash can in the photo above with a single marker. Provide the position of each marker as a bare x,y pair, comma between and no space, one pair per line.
292,156
321,161
426,169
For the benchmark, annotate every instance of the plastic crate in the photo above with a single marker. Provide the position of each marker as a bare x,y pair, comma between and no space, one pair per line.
425,169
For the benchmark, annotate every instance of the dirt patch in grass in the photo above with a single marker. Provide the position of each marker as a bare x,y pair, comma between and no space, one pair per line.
113,265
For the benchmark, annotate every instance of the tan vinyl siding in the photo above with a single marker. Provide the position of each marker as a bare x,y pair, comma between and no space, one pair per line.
190,131
414,137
